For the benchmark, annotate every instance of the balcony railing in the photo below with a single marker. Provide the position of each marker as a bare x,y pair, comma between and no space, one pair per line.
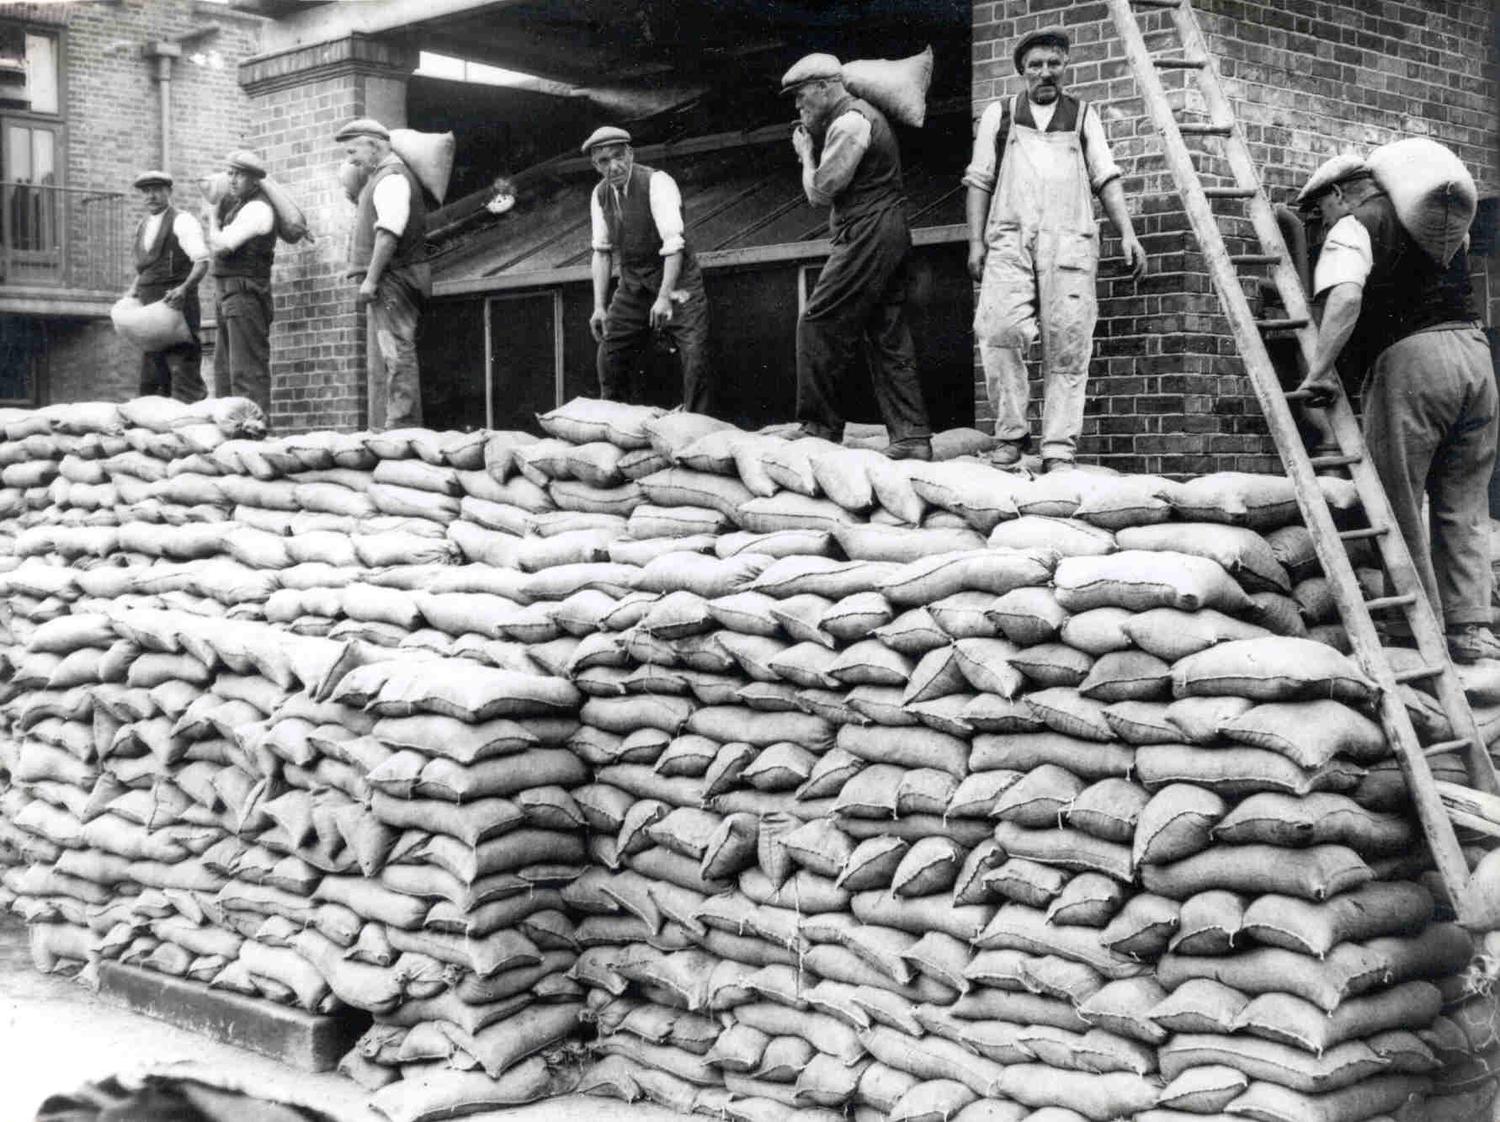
63,237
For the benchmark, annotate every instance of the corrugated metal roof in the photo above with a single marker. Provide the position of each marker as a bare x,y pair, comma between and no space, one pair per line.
736,197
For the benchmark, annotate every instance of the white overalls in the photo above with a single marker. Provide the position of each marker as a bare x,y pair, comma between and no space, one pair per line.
1039,279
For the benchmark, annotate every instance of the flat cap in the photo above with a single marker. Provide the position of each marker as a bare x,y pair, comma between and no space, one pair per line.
152,178
1335,169
811,68
605,134
1042,37
246,160
362,126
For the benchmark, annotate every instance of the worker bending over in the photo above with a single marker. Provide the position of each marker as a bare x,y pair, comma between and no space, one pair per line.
1408,325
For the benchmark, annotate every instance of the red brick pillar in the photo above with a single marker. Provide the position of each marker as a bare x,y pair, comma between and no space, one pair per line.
298,100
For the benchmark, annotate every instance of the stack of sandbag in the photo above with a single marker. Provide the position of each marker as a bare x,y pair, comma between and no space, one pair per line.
221,751
799,779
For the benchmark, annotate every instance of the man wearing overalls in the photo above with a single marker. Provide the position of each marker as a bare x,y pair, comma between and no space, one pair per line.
1034,247
636,219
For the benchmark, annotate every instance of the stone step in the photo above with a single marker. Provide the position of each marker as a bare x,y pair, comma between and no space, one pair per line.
306,1041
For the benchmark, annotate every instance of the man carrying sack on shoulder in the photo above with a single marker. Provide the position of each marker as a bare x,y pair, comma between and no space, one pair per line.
1038,161
171,259
242,239
852,165
387,256
1408,325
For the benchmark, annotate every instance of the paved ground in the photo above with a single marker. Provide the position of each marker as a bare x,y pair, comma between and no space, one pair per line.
56,1035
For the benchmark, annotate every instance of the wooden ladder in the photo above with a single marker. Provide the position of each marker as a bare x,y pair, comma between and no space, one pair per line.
1473,807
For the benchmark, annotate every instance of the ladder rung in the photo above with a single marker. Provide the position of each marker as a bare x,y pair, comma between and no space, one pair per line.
1380,603
1341,460
1417,674
1229,192
1280,324
1178,62
1256,258
1366,532
1194,128
1444,746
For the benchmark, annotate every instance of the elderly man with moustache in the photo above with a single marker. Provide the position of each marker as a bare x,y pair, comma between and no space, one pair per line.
1039,158
852,165
242,239
636,217
171,259
387,256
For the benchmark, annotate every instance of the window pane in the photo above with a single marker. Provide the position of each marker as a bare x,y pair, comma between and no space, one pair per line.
41,72
43,156
18,154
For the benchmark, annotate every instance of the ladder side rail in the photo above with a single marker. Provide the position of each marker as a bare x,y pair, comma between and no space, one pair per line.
1260,211
1396,721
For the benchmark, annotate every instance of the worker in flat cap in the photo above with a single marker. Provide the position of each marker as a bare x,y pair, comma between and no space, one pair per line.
171,259
242,239
387,256
1039,159
1407,325
851,164
636,218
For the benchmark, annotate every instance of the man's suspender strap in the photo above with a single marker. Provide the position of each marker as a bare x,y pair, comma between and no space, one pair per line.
1002,134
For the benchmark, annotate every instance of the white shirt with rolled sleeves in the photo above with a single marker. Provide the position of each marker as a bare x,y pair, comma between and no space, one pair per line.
666,212
844,145
983,169
188,230
1346,257
254,218
392,200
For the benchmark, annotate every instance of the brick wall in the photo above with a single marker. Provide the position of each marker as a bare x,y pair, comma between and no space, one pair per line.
113,124
1308,78
318,337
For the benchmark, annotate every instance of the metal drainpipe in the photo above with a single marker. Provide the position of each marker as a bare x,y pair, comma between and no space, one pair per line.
164,53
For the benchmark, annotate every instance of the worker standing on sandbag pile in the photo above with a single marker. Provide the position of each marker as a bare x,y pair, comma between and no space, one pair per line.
1408,326
851,164
171,259
636,217
1039,158
387,257
242,239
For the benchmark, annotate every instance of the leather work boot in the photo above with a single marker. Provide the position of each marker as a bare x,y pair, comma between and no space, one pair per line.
917,449
1008,454
1056,463
1472,643
819,432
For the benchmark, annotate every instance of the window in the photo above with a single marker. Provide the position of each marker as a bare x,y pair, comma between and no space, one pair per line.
29,77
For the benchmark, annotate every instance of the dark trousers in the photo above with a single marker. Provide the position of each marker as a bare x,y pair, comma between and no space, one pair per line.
176,372
242,354
861,297
1430,423
393,320
627,333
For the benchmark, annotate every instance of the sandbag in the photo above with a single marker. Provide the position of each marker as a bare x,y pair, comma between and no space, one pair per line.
1431,190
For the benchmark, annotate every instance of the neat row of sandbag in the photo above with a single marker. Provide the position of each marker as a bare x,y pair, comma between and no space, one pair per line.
815,658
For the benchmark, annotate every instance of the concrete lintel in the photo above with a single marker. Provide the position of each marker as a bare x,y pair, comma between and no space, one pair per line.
67,303
353,53
327,22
